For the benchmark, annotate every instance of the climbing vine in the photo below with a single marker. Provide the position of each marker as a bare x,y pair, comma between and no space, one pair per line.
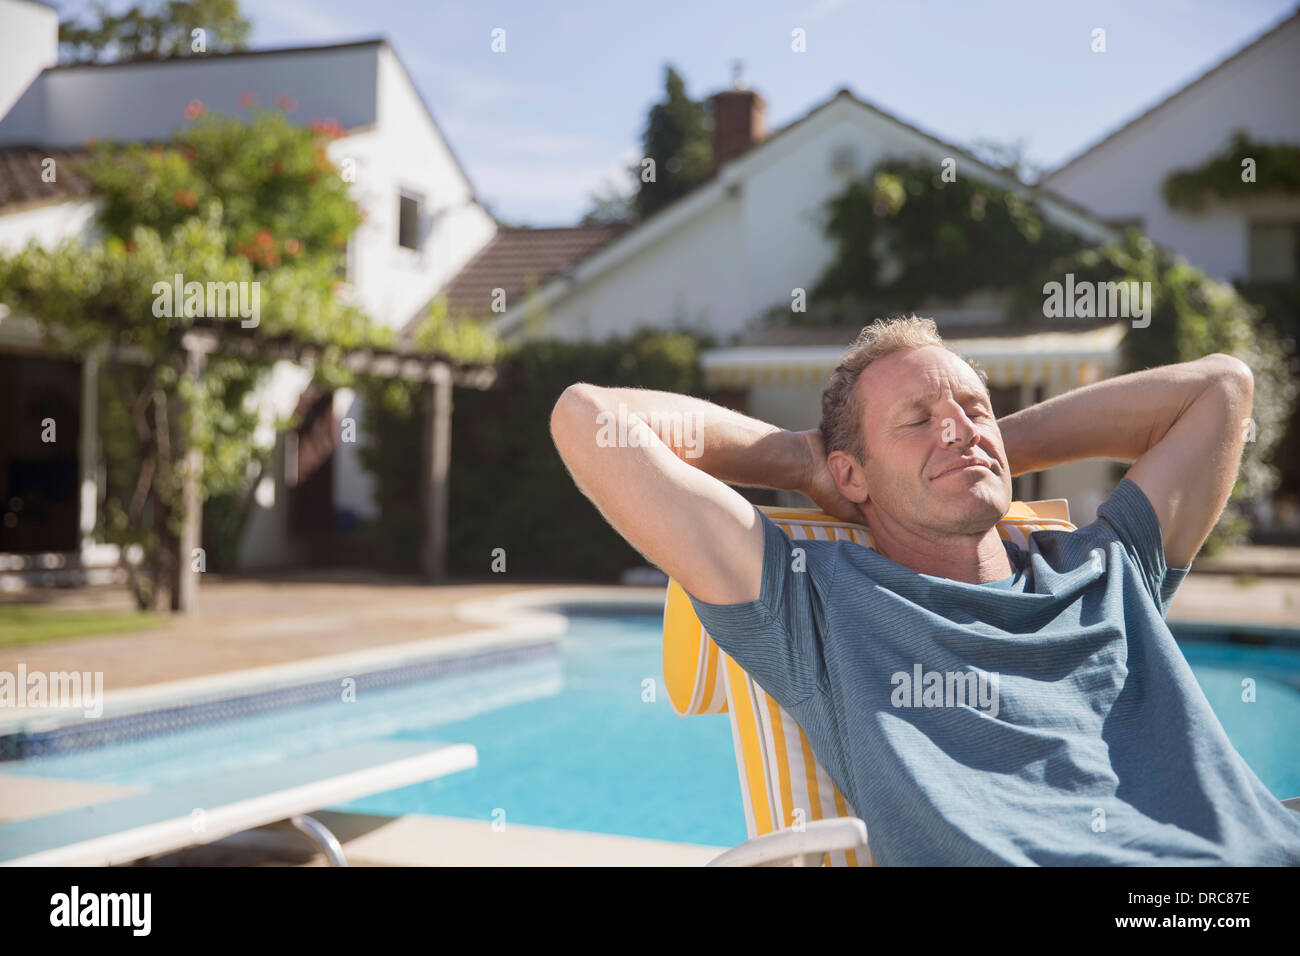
1247,168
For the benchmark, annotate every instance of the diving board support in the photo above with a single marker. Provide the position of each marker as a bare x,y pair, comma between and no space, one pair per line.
319,834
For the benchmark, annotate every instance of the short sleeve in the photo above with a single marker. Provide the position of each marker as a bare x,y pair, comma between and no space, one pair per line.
1129,513
778,638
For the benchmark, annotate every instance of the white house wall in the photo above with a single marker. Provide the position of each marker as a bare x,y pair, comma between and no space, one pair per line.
405,151
48,225
354,486
691,277
29,42
408,153
266,541
1122,178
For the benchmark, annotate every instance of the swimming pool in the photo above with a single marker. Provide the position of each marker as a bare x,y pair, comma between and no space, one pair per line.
586,739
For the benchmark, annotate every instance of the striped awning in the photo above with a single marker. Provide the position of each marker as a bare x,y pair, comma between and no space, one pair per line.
1061,359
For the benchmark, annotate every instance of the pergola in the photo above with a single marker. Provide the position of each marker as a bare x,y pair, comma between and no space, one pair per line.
439,372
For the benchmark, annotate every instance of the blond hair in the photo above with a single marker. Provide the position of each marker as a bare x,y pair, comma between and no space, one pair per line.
841,424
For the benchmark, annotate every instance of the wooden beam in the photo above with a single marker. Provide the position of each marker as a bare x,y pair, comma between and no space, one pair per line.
409,366
185,582
435,467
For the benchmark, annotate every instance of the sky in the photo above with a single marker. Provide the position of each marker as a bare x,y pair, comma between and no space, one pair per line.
558,115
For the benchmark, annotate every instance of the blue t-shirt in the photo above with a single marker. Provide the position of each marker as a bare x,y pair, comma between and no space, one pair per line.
1047,718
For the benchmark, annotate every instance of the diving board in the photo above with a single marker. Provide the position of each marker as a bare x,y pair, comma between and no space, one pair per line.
164,819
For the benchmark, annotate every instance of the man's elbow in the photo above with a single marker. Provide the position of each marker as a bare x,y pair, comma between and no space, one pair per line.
1232,371
567,407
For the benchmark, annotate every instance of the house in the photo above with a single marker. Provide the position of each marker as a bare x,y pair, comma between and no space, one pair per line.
1120,178
423,223
739,244
1253,240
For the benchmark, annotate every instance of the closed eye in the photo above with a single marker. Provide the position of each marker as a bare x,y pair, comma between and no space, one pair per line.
924,420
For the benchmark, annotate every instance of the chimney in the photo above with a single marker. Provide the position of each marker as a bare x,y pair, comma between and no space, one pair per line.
737,121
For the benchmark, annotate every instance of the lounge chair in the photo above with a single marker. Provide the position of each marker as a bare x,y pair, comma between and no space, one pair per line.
165,819
794,813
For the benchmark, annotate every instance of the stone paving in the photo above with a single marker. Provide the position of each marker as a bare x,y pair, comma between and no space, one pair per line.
243,624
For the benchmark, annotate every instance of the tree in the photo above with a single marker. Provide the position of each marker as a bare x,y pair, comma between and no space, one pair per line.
1010,157
258,205
154,32
610,205
678,141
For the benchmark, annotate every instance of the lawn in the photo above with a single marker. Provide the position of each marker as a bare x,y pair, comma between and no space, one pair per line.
32,624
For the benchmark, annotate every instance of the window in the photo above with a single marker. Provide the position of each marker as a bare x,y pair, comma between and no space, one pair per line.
1274,251
408,221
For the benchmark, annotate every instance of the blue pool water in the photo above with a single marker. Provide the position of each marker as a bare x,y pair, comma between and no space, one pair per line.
588,740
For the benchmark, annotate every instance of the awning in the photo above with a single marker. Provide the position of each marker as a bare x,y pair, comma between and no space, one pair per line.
1062,359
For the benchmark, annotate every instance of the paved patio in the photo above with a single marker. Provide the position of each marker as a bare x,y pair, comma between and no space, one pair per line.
246,623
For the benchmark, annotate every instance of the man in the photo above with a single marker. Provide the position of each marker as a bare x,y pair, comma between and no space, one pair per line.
1084,738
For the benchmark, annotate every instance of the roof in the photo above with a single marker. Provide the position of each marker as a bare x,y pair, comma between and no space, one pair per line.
715,188
217,55
190,59
516,256
1141,117
21,182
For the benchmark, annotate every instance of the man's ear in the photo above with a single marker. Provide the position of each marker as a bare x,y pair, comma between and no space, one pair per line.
849,476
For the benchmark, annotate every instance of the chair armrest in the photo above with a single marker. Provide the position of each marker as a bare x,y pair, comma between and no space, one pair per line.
798,847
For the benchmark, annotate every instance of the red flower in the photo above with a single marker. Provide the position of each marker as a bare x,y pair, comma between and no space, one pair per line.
264,238
186,198
194,110
247,99
286,102
330,128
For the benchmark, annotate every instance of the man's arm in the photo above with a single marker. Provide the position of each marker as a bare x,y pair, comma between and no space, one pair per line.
1181,425
662,487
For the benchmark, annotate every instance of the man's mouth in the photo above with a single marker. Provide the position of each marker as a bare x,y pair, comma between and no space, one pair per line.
966,466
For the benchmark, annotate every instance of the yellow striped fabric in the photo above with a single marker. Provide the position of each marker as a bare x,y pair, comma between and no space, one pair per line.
782,784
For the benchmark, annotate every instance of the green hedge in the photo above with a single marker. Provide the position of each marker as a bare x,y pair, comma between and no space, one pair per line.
508,487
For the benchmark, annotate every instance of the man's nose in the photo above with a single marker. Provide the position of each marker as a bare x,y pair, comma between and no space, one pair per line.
957,427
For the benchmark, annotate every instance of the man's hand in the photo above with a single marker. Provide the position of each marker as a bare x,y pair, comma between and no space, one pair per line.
819,484
1181,426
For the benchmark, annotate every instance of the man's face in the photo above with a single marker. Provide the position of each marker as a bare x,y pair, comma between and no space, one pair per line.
924,410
